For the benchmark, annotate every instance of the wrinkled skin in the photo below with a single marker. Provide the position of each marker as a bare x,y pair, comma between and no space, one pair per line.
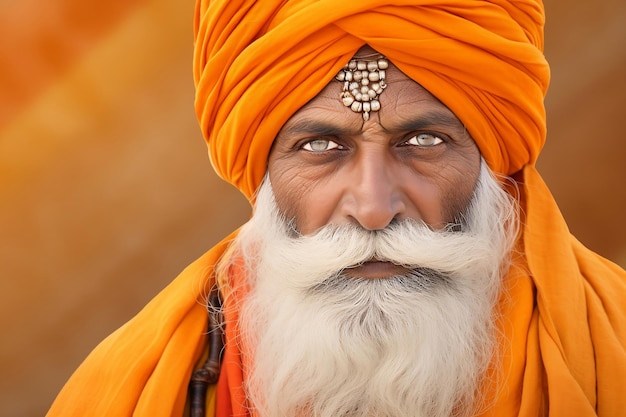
411,160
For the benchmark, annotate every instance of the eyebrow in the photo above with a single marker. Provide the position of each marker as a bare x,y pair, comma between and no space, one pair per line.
318,127
428,119
425,120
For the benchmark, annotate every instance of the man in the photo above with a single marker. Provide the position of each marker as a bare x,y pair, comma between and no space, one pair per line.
404,257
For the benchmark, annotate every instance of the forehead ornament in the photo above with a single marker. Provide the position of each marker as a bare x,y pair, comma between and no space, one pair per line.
363,81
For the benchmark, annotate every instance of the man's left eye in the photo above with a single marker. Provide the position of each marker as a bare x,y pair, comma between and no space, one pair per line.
320,145
424,140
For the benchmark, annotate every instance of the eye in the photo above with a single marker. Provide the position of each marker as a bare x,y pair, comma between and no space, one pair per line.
424,140
321,145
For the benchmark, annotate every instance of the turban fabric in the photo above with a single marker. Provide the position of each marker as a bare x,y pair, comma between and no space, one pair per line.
255,64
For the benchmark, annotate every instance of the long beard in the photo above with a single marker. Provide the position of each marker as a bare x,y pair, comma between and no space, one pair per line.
320,343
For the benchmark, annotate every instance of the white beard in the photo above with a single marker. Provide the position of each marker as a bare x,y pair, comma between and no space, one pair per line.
325,345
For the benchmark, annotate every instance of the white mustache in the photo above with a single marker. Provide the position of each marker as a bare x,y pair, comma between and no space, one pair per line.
410,244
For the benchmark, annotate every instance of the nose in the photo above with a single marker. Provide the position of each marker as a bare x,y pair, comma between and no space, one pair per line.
374,197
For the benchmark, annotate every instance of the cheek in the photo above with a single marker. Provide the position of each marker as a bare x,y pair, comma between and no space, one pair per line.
303,196
439,193
459,188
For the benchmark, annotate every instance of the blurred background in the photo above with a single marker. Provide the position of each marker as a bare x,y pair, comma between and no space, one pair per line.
106,192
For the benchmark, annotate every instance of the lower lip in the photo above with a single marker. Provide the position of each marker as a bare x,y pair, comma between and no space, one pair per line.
375,270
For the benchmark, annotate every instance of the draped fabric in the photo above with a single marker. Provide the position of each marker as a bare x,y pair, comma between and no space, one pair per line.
143,368
563,325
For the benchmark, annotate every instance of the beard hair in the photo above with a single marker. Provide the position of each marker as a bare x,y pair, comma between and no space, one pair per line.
320,343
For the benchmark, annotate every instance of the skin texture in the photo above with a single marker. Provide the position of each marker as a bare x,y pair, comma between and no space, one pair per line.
412,160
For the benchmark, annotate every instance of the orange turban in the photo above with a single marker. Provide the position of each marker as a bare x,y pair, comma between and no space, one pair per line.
255,64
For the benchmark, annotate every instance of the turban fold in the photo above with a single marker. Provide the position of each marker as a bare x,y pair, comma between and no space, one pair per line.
255,64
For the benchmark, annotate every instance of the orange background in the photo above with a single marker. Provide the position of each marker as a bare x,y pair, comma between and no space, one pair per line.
106,191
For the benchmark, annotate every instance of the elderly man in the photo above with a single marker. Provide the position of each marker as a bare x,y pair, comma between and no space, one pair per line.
404,257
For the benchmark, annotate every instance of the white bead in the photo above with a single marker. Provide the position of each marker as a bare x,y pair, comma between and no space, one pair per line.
383,64
358,96
374,76
372,65
382,74
364,89
341,76
372,93
349,76
366,116
352,64
365,81
361,65
357,76
347,100
367,107
354,85
375,104
365,97
356,106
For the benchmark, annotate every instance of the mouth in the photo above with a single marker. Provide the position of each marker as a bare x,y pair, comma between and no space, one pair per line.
375,269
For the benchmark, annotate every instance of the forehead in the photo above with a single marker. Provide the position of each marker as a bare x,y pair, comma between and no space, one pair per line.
402,101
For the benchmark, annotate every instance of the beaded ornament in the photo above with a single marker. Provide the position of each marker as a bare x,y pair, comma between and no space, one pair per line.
363,82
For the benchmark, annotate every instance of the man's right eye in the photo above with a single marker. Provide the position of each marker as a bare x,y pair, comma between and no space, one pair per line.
321,145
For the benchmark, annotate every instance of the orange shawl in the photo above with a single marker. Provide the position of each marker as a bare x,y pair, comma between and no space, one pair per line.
255,64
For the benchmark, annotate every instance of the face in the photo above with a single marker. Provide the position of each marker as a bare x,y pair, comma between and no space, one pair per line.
319,341
411,160
316,337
